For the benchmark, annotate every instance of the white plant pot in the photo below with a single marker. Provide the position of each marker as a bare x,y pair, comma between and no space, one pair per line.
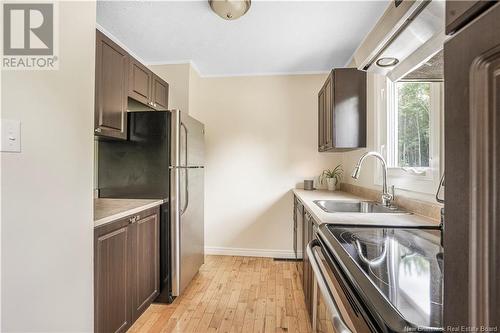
331,183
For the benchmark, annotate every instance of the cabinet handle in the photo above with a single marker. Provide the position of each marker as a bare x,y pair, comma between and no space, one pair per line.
98,130
134,219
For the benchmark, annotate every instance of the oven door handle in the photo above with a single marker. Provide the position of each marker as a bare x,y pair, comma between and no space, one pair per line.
323,285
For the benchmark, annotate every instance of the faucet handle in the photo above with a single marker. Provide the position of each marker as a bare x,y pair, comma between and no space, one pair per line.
388,197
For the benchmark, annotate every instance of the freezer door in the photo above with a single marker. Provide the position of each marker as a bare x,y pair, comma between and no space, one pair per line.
192,146
188,143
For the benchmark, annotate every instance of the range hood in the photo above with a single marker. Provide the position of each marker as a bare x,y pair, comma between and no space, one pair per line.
415,40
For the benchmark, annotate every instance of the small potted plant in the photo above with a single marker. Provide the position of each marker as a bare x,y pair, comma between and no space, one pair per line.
332,177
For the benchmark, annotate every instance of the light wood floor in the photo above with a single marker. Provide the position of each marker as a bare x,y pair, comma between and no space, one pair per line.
234,294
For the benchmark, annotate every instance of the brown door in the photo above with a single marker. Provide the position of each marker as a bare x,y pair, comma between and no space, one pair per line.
349,108
145,262
139,85
160,93
111,270
110,89
472,141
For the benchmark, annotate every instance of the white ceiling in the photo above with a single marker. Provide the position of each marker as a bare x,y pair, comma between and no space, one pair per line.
273,37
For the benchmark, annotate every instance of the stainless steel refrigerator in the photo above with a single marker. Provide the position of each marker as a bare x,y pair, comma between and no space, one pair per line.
163,157
186,198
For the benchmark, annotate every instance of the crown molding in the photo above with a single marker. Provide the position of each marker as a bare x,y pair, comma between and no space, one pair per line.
266,74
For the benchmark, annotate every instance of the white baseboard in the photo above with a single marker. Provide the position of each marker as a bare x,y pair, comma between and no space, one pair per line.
244,252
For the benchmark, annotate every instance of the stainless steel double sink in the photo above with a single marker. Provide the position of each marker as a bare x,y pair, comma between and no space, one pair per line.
335,206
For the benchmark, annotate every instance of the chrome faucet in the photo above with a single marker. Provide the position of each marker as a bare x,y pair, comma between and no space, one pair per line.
386,196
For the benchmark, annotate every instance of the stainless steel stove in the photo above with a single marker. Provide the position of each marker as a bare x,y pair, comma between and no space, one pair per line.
391,278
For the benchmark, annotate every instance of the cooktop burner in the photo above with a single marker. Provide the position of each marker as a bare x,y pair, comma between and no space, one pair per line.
402,265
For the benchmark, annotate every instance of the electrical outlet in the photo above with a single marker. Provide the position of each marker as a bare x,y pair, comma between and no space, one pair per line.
10,135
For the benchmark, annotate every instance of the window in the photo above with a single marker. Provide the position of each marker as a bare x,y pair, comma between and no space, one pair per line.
411,146
409,119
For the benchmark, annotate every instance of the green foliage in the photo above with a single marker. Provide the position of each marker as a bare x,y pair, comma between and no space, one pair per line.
332,173
413,124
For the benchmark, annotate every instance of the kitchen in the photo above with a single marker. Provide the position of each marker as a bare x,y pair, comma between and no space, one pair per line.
252,166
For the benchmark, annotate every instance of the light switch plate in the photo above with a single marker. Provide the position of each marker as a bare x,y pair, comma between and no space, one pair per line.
10,135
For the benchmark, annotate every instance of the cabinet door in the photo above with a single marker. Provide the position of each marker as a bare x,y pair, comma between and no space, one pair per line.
460,12
349,108
321,120
299,212
160,93
145,262
111,283
328,116
139,82
306,266
111,75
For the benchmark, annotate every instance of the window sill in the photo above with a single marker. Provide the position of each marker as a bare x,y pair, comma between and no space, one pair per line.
425,183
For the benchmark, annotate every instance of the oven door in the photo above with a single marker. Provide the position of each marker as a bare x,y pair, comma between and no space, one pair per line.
332,311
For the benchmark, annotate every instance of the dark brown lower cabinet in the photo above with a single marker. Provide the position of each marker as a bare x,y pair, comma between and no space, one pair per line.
126,270
112,273
145,258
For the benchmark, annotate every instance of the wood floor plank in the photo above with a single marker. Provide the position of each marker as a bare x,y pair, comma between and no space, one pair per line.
234,295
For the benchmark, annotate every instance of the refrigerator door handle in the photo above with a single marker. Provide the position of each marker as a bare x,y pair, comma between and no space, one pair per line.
186,183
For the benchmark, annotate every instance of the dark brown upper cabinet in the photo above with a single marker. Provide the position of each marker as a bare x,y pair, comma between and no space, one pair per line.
342,111
146,87
160,93
123,84
140,78
460,12
110,89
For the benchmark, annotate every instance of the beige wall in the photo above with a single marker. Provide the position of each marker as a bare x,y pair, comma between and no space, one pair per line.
261,141
47,231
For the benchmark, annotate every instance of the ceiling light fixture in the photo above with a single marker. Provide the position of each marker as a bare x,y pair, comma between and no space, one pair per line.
387,62
230,9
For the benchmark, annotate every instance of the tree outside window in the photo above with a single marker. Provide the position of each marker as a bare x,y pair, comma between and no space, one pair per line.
413,122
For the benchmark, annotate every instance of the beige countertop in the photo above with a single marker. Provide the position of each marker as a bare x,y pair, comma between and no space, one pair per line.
108,210
320,216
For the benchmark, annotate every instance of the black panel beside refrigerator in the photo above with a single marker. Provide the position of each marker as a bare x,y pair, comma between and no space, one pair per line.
139,169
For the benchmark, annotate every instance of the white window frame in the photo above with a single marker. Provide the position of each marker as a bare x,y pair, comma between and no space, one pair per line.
421,180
